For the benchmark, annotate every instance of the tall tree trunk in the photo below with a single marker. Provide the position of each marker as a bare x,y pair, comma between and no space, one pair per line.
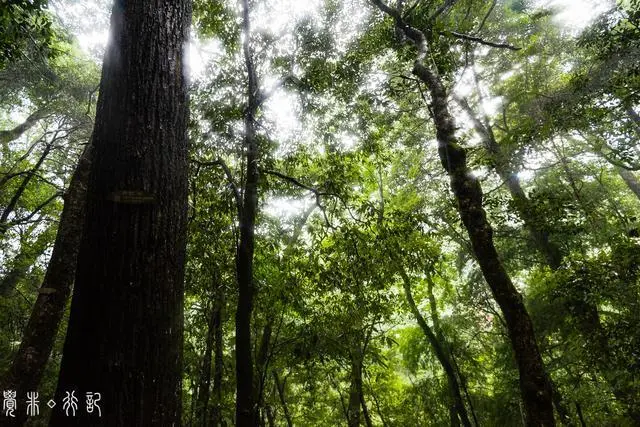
534,225
534,383
440,352
125,332
245,403
25,372
630,179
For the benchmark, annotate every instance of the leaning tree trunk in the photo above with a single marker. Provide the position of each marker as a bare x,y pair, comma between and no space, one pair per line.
441,354
280,386
25,373
630,179
534,383
9,135
125,332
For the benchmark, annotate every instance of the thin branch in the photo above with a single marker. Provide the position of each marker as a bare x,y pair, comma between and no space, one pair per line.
448,4
234,188
486,16
35,211
317,193
478,40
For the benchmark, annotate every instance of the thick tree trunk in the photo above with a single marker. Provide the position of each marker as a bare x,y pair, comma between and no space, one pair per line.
246,415
353,411
25,372
125,332
534,383
440,352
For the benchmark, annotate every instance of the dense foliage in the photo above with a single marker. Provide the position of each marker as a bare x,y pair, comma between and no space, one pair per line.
369,300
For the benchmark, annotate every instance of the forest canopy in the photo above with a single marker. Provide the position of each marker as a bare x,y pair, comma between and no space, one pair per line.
322,213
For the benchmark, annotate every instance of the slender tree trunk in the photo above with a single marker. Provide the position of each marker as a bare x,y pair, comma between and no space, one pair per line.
280,386
363,403
580,415
271,418
204,392
25,373
262,365
461,383
125,332
440,352
535,226
534,383
245,404
630,179
21,189
218,362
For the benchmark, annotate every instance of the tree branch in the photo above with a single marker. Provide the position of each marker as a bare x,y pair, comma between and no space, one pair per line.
478,40
232,184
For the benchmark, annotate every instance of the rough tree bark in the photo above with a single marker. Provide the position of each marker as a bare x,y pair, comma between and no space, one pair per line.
27,367
535,226
125,332
534,383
